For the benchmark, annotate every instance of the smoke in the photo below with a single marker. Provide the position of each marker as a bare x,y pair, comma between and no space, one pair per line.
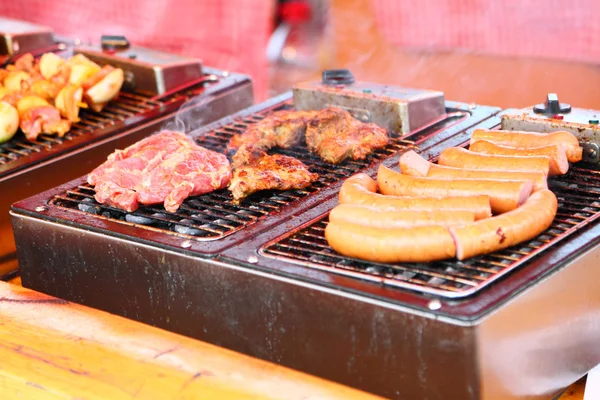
192,114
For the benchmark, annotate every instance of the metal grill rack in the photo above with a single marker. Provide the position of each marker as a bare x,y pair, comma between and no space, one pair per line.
126,106
578,205
213,216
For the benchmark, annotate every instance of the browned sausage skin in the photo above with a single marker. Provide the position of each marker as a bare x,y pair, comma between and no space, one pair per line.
506,230
559,164
413,164
462,158
375,217
532,139
361,189
391,245
504,195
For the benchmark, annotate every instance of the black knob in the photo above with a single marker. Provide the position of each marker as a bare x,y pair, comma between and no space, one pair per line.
552,106
337,77
114,43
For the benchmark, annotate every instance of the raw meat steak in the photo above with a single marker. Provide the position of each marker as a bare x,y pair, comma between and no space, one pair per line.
163,168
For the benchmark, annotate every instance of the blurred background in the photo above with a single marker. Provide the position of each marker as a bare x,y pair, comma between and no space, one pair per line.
507,53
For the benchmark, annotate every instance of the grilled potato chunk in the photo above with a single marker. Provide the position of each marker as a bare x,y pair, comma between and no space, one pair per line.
50,64
28,102
104,91
14,79
9,121
68,102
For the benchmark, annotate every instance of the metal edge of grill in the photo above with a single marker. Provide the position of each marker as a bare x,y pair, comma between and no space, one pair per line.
125,112
277,213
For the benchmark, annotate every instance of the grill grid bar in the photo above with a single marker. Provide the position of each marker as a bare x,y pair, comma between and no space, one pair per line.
451,279
213,216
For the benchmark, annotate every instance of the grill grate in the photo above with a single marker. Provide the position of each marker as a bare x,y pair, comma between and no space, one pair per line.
127,105
213,216
578,195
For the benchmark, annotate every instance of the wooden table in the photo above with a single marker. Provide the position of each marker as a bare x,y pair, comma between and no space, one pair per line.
52,349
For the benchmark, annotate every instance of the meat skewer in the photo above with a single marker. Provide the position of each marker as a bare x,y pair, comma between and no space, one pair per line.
413,164
504,195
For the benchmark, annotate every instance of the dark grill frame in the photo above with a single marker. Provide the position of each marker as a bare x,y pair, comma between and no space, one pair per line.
213,216
579,205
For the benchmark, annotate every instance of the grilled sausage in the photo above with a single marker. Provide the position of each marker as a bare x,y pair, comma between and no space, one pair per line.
559,164
462,158
502,231
532,139
361,189
413,164
417,244
505,195
375,217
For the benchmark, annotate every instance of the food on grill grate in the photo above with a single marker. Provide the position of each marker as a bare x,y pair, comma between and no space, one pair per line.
413,164
462,158
9,121
375,217
52,88
163,168
504,195
506,230
283,129
531,139
362,190
559,164
269,172
388,245
335,135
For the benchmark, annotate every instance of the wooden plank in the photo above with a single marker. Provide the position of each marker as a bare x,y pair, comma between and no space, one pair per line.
53,349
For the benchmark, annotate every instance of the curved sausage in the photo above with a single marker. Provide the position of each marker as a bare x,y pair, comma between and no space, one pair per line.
413,164
559,164
375,217
361,189
462,158
532,139
505,195
502,231
417,244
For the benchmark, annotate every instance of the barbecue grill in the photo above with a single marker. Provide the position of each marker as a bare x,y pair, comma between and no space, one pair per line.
199,271
159,90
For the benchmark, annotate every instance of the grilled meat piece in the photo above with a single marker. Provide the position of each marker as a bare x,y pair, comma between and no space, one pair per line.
281,128
45,119
265,172
164,168
335,135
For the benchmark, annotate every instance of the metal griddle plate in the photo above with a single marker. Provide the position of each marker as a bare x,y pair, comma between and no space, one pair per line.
207,224
299,250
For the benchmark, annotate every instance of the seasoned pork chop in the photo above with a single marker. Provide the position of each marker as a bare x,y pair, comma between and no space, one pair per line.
164,168
335,135
263,172
279,129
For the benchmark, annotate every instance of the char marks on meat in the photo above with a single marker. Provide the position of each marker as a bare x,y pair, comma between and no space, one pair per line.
269,172
283,129
164,168
335,135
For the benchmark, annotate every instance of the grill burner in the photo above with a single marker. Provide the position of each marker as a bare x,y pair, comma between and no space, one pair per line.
213,216
578,205
126,106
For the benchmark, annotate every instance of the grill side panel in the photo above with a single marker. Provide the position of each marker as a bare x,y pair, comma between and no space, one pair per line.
322,332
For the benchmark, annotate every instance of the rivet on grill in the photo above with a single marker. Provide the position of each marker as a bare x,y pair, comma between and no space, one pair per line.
62,46
472,106
434,305
41,208
225,74
252,259
186,244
